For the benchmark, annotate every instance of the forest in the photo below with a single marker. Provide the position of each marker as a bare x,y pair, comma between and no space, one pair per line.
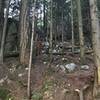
49,49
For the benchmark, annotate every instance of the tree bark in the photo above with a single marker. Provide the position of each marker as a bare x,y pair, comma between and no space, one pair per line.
4,34
1,17
31,53
44,19
96,35
23,29
96,45
81,35
51,28
62,26
72,24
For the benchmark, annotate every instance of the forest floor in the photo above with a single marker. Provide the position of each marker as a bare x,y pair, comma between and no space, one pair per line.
49,81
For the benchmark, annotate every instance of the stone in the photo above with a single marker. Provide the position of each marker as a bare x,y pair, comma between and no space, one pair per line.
62,68
20,75
26,68
44,63
85,67
70,67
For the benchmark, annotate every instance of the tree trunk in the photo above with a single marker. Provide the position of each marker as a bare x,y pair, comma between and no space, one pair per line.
1,17
23,29
81,36
96,35
55,28
31,53
55,32
72,24
47,31
4,34
44,19
96,42
62,26
51,28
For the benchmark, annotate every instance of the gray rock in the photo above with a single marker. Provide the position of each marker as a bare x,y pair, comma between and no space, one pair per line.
26,68
21,75
85,67
3,80
70,67
44,63
62,67
54,51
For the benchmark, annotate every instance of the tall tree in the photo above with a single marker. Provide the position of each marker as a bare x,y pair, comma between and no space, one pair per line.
1,17
44,18
81,36
4,33
96,40
72,24
51,28
31,53
62,26
23,29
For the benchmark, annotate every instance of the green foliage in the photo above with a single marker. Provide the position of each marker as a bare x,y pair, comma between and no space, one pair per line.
47,85
37,96
5,94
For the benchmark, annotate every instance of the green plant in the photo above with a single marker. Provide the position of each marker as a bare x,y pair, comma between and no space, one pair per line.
5,94
37,96
47,85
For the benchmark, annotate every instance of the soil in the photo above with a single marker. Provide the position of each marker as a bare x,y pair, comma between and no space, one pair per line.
48,82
